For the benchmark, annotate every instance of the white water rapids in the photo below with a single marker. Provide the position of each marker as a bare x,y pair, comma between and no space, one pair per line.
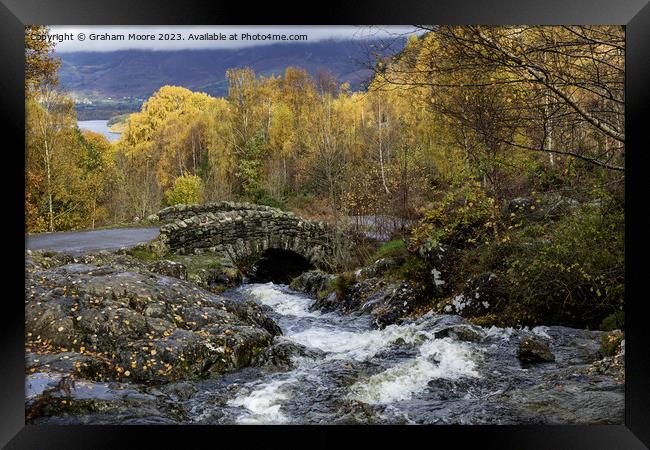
345,340
332,368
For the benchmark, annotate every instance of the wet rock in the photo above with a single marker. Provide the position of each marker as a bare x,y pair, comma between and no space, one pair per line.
216,279
61,399
141,326
444,390
439,260
356,413
358,293
281,354
568,395
180,391
481,295
462,332
387,303
326,303
362,296
399,302
532,351
379,267
169,268
375,295
313,282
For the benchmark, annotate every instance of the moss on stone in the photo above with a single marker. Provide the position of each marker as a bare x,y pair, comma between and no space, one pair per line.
610,343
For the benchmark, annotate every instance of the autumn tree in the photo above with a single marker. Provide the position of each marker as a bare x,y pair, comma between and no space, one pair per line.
50,124
40,64
186,189
575,74
98,176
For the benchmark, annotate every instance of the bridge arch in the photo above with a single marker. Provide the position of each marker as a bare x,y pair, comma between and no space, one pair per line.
240,233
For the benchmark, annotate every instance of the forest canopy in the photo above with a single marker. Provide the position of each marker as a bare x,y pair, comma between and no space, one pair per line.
515,108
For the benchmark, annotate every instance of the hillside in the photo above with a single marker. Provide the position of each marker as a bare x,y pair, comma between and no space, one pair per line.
119,81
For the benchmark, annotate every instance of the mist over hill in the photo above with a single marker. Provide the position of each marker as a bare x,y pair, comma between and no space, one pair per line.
108,83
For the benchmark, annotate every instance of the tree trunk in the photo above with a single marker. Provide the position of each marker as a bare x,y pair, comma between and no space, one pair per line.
381,149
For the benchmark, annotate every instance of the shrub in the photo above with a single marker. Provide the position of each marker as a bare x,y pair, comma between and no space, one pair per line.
610,344
302,200
342,283
464,217
414,269
615,321
393,249
187,189
570,272
261,197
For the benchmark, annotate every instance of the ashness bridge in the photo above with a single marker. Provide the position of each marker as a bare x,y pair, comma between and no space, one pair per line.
241,230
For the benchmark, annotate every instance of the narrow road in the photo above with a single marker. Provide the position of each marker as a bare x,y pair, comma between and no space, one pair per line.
78,242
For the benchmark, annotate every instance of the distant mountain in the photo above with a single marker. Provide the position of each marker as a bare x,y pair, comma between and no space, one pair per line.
136,74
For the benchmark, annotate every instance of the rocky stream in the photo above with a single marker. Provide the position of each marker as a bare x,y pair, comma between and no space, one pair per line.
125,344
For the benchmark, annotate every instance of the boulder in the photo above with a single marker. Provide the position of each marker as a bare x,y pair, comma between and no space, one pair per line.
216,279
439,260
140,326
397,303
58,399
169,268
462,332
326,302
532,351
550,206
313,282
480,295
281,355
379,267
520,204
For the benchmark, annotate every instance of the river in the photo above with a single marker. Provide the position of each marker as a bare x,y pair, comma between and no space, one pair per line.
417,372
406,374
99,126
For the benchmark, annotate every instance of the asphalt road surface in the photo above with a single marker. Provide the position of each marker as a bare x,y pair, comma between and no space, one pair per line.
78,242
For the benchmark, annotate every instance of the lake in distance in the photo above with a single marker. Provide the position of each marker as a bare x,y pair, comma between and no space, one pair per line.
98,126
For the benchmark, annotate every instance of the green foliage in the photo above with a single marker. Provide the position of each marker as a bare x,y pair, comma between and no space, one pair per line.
570,272
144,255
342,283
249,169
464,217
610,344
261,197
187,189
414,269
391,249
614,321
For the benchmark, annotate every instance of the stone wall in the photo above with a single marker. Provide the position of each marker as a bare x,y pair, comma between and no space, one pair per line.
180,212
244,231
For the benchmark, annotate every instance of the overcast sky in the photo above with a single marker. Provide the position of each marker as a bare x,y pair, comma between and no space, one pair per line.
314,33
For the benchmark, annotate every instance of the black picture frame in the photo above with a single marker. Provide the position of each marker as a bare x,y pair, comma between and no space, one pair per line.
635,14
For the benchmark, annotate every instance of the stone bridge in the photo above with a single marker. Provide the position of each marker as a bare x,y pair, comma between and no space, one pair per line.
240,230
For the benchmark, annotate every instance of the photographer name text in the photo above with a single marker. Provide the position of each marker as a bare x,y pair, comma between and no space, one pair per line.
139,37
